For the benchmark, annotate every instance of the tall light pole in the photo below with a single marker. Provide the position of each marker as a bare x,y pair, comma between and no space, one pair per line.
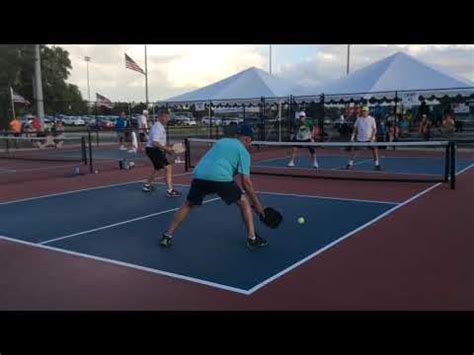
88,59
146,79
39,86
348,56
270,58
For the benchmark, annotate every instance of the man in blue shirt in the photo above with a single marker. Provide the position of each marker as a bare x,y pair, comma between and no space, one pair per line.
215,174
119,127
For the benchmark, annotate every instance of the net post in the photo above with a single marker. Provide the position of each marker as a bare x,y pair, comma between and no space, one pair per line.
447,162
186,155
83,150
453,164
91,167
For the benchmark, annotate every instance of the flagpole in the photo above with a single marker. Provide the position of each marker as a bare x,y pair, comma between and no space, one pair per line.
13,103
146,79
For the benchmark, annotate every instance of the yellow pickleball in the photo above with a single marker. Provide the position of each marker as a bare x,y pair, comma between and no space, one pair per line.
301,220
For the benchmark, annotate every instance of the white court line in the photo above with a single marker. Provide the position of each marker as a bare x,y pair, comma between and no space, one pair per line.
117,224
326,198
313,196
85,189
132,266
337,241
44,168
216,285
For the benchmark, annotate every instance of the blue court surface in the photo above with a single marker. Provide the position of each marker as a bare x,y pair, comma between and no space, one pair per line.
122,224
390,164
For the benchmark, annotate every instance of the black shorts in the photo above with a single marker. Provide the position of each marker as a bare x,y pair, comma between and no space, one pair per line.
229,192
360,148
157,157
311,149
142,137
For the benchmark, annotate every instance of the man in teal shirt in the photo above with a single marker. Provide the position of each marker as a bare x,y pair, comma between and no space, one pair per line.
215,174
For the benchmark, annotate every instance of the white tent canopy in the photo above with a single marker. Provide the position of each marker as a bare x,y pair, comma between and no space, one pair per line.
247,86
399,73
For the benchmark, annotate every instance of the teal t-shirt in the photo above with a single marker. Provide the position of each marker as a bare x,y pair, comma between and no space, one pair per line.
227,158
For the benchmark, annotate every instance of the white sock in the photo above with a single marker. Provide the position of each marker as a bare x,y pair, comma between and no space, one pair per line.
376,162
315,162
251,238
169,190
351,162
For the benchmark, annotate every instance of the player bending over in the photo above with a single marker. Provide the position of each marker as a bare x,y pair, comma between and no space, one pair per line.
215,173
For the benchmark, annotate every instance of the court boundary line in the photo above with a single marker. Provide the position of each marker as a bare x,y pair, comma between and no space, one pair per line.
347,235
128,265
339,240
117,224
85,189
314,196
225,287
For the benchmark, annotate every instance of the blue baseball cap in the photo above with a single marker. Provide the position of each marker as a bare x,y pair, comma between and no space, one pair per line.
246,130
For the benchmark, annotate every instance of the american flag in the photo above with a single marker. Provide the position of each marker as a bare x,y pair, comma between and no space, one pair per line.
18,98
103,101
130,64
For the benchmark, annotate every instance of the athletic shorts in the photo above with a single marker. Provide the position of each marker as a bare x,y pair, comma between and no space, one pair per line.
311,149
142,137
229,192
360,148
157,157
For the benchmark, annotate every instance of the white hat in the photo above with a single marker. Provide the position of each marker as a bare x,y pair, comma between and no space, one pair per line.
302,114
145,112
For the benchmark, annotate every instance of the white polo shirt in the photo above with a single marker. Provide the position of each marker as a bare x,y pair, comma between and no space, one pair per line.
142,123
157,134
366,126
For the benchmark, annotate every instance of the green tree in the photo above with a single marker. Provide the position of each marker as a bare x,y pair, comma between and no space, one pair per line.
17,63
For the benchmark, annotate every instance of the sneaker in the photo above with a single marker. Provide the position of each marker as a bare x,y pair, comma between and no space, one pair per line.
349,166
316,166
256,243
377,167
122,148
132,151
173,193
291,164
165,241
147,188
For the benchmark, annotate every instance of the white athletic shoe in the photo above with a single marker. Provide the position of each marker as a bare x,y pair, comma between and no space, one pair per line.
122,148
131,151
291,164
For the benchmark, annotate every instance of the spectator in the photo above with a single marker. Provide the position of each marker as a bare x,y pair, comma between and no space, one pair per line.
425,127
119,127
15,126
37,126
448,124
403,125
58,128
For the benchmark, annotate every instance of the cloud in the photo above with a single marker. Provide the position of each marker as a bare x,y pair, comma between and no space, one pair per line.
172,69
176,69
330,61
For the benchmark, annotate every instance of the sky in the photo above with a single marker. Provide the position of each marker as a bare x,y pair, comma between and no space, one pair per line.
176,69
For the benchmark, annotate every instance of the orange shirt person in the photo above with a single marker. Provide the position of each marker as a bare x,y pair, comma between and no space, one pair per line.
15,126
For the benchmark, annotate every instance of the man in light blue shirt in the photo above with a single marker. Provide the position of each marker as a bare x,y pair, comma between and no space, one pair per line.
215,174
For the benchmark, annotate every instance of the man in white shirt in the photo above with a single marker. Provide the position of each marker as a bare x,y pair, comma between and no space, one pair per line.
365,130
156,149
143,126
